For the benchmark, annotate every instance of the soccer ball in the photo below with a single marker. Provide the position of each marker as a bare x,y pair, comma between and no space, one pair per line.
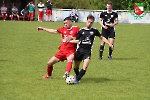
70,80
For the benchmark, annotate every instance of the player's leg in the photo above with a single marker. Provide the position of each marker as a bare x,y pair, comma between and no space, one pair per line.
42,13
50,16
70,56
23,17
49,66
76,67
32,16
3,16
39,16
83,70
18,17
69,62
29,16
6,16
12,16
77,60
111,40
101,49
86,59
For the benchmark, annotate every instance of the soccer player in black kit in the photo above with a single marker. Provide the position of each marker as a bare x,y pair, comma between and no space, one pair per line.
108,19
49,10
85,38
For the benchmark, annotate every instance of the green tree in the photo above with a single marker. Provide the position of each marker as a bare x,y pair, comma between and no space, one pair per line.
92,4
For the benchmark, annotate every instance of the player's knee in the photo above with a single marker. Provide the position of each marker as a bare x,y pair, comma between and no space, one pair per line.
70,60
85,68
49,64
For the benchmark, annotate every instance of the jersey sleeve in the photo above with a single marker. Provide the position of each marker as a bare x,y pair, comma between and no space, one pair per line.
97,33
101,15
116,15
60,30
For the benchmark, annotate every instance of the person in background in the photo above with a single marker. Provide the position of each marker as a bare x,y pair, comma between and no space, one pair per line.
66,50
108,20
4,12
40,11
74,15
25,13
31,8
14,13
49,10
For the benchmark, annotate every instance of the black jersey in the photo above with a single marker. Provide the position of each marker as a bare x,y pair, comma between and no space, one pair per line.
108,18
86,38
49,5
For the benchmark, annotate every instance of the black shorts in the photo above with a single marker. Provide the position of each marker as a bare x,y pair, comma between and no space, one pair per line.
110,33
79,56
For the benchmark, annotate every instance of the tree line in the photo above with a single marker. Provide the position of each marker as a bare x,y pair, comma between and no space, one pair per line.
95,4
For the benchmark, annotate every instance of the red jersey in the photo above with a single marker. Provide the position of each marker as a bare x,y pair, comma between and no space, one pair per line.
65,33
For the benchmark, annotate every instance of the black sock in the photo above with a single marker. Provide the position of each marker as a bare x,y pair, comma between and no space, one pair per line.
81,73
101,51
76,71
110,51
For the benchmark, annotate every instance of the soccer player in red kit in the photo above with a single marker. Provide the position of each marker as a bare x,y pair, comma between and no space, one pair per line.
66,50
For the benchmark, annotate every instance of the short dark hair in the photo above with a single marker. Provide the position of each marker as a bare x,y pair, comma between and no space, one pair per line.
109,2
90,17
67,18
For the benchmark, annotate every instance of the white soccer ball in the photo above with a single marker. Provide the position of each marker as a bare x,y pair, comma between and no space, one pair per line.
70,80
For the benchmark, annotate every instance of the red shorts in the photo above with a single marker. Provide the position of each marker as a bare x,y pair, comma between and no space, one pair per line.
62,55
48,12
4,14
31,14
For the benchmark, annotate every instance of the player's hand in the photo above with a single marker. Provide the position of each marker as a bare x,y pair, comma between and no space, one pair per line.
111,25
39,28
68,38
105,27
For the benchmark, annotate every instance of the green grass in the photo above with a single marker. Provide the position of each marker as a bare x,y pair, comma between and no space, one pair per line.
24,53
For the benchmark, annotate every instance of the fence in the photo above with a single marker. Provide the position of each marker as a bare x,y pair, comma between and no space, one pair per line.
123,15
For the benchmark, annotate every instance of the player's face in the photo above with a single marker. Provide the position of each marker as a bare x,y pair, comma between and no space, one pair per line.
89,23
109,7
68,23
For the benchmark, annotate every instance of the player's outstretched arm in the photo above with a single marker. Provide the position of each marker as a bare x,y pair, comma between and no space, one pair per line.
74,41
70,40
47,30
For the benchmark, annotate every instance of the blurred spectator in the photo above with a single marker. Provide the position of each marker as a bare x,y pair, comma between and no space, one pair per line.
31,9
24,13
74,15
49,10
4,12
14,15
40,11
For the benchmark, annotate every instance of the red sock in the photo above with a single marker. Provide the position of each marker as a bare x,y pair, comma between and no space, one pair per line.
69,66
49,70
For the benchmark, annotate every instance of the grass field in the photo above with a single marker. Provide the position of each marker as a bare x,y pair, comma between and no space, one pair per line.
24,53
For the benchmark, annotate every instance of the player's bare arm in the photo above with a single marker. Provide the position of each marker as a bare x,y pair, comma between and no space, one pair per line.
70,41
47,30
101,23
106,41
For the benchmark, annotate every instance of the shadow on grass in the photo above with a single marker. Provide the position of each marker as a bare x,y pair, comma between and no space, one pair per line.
2,60
124,58
102,79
